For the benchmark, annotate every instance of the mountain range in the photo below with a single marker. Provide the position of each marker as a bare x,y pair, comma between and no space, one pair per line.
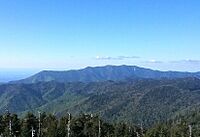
96,74
116,93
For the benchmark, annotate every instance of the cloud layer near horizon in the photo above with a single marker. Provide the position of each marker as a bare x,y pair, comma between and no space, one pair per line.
116,58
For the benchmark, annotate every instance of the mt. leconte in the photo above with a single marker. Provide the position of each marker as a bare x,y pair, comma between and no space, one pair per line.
96,74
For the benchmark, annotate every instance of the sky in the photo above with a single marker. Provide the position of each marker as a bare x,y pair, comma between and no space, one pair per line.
72,34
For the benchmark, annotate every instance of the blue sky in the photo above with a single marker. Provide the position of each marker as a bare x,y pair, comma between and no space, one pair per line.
68,34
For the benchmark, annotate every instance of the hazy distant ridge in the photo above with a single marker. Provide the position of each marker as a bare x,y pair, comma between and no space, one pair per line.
95,74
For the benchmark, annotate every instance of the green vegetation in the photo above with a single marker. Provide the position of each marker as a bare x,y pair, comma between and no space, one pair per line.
88,125
49,126
165,107
187,125
132,101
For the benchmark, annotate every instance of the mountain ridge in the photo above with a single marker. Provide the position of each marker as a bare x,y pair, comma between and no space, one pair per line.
104,73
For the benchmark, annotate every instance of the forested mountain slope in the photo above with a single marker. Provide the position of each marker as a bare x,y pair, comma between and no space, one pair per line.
145,100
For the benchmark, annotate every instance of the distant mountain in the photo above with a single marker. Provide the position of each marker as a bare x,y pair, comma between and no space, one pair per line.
95,74
146,100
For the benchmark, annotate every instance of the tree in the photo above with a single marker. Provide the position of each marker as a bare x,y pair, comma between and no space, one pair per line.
16,125
29,122
50,126
2,125
62,128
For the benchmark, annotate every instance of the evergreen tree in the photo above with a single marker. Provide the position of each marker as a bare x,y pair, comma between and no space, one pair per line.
50,126
29,122
2,125
7,124
62,128
16,125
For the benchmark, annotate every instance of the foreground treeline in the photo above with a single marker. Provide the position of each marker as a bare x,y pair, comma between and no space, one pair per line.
85,125
44,125
179,129
187,125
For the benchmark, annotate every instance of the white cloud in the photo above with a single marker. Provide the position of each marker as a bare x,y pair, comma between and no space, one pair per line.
116,58
153,61
185,61
191,61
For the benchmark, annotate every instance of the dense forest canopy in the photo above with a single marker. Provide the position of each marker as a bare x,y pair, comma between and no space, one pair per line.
89,125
